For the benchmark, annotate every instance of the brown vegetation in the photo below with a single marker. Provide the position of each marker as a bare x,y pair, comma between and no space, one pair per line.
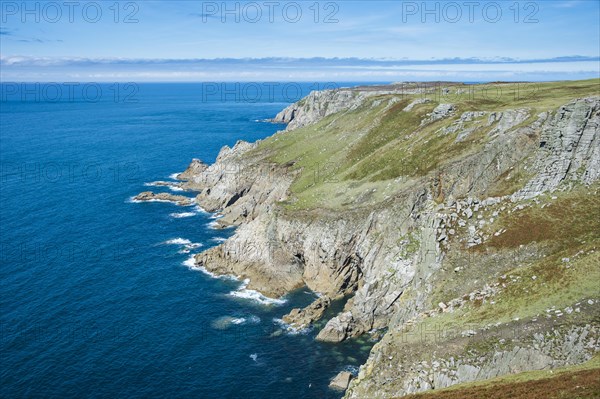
583,384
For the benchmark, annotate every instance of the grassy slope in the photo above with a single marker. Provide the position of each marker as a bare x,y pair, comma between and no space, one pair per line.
567,227
370,152
577,382
377,149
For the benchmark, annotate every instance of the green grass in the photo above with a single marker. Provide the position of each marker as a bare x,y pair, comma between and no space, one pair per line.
568,228
364,156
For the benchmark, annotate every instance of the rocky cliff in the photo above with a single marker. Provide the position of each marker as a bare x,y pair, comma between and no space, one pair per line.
418,203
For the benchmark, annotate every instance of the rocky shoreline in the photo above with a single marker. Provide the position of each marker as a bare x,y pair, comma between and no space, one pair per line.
149,196
391,256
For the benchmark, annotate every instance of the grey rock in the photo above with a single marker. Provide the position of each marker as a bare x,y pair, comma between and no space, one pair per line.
195,168
149,196
302,318
569,148
341,381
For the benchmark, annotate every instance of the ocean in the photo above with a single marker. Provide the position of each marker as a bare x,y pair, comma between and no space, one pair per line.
97,296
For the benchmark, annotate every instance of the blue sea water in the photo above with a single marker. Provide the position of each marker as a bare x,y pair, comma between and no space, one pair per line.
94,300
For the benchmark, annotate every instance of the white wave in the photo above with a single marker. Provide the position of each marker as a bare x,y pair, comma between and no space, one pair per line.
253,356
188,247
174,176
178,241
191,264
135,201
226,322
216,216
244,293
199,209
291,330
213,225
218,239
172,187
182,215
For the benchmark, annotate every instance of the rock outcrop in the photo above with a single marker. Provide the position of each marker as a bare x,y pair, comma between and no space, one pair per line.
194,169
420,371
149,196
389,256
569,148
240,185
320,104
301,318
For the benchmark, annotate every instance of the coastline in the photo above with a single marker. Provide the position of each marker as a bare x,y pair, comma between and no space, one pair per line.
389,252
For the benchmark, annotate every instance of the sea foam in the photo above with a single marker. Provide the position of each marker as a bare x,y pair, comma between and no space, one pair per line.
191,263
244,293
178,241
182,215
226,322
291,330
171,187
199,209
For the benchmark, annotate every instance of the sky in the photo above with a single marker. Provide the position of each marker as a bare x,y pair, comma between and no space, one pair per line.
299,40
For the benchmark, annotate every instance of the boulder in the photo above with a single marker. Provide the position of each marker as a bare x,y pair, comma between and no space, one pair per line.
337,329
302,318
341,381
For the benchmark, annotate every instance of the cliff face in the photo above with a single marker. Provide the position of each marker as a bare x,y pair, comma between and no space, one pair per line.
418,220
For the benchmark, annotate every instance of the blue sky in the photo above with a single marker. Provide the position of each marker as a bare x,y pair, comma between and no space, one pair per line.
344,41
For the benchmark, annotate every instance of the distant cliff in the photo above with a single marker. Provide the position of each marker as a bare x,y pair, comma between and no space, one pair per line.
463,226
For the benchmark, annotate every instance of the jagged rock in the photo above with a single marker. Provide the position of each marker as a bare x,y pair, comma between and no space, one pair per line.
341,381
343,253
440,112
569,148
240,189
149,196
302,318
337,329
468,213
506,120
195,168
319,104
534,351
386,255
